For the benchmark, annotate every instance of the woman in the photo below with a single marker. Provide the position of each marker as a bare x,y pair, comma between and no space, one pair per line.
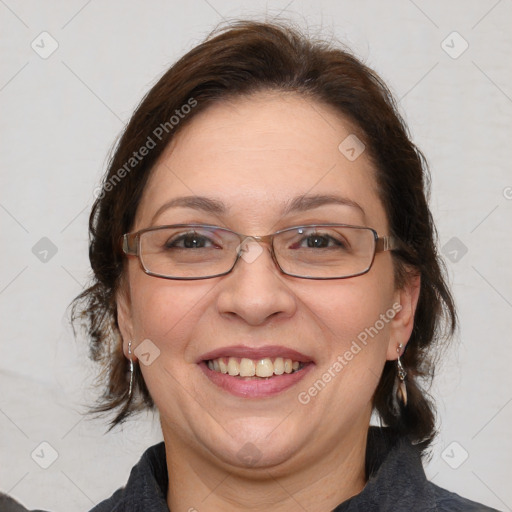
266,276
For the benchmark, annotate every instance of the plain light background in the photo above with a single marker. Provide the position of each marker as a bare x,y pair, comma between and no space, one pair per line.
61,115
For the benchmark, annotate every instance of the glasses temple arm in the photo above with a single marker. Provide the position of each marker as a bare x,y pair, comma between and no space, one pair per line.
129,244
388,243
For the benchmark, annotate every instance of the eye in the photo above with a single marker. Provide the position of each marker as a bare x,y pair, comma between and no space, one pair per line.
191,240
319,240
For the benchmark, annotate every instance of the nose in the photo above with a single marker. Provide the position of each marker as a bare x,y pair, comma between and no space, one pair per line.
255,290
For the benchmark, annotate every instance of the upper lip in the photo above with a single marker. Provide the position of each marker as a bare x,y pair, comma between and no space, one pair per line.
270,351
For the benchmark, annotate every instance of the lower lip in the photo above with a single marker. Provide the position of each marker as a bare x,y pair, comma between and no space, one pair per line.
256,387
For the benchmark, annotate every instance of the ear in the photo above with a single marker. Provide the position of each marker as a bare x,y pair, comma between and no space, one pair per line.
401,326
124,317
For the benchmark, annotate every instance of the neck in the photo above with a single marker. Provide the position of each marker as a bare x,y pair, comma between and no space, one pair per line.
317,485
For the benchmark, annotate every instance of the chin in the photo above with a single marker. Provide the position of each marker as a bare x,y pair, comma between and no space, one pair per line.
254,445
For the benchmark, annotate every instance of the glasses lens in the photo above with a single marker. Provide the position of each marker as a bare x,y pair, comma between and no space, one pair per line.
188,251
325,252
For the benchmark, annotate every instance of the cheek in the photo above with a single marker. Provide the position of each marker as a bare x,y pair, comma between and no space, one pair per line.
354,320
354,317
347,307
166,311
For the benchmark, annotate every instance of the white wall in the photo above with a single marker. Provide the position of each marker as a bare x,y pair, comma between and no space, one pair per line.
60,116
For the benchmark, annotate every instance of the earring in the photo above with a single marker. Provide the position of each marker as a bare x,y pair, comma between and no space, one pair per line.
401,389
131,370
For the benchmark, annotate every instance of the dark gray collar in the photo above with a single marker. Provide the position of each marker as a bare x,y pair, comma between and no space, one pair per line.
396,478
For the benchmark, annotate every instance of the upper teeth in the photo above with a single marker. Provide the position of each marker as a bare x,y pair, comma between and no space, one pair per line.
249,368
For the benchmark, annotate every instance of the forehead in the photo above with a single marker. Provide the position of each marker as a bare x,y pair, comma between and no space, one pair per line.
257,153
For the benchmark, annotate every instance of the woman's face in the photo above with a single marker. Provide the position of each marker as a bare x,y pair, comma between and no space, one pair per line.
254,156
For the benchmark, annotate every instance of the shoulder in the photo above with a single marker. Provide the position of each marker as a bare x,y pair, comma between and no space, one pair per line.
397,480
118,502
8,504
447,501
146,488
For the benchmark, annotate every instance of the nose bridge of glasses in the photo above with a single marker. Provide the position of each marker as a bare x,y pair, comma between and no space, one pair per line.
251,247
245,240
264,239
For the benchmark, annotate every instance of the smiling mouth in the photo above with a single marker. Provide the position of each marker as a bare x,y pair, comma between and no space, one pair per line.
245,368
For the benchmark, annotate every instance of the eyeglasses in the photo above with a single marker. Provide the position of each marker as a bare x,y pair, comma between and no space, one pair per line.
197,251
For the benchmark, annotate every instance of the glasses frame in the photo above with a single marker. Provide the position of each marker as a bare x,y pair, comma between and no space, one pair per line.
130,243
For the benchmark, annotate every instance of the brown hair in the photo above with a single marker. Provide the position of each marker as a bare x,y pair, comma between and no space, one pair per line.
241,59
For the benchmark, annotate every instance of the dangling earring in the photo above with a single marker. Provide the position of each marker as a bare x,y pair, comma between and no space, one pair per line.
401,389
131,370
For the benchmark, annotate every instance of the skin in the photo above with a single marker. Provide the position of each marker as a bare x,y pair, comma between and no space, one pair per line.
255,154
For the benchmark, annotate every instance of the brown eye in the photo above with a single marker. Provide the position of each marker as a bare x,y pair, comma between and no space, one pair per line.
320,241
188,241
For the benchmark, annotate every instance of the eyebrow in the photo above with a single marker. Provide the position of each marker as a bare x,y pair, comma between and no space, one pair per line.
202,203
297,204
308,202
